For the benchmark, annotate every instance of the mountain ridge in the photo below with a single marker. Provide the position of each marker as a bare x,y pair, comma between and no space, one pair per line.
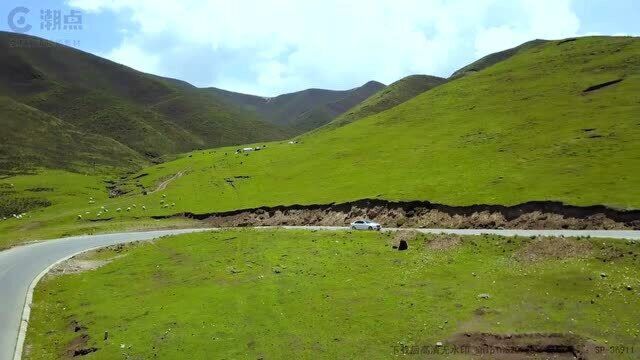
302,110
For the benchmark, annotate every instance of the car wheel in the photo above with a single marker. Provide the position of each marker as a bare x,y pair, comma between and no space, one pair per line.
370,227
353,228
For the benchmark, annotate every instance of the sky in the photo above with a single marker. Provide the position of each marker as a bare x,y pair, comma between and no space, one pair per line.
273,47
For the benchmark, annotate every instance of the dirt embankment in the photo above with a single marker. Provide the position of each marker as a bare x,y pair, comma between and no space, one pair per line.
423,214
525,346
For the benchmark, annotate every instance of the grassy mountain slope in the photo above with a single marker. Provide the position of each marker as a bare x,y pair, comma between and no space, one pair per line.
150,114
30,136
524,129
494,58
394,94
303,110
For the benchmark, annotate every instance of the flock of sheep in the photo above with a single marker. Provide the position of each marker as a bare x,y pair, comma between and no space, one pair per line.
15,216
103,209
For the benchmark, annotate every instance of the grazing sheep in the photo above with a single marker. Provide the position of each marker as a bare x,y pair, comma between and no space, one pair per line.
164,195
87,212
92,202
144,207
118,209
128,209
99,214
79,217
134,206
173,204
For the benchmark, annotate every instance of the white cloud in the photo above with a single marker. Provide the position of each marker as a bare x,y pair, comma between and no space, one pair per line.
288,45
545,19
128,53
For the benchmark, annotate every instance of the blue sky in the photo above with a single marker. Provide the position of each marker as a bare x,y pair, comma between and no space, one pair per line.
274,47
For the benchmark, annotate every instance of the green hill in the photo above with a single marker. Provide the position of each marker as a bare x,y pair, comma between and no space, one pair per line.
495,58
303,110
394,94
30,136
152,115
523,129
559,121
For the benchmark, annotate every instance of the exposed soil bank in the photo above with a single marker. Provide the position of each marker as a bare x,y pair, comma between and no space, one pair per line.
416,214
525,346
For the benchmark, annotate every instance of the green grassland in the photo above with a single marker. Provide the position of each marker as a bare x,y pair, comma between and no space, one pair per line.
520,130
282,294
52,201
494,58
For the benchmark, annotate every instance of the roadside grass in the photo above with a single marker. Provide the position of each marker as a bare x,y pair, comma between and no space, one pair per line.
305,295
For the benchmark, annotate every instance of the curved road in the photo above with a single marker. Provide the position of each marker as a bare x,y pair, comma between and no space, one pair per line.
19,266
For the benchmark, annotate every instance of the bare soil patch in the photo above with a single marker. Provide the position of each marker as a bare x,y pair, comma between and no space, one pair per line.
525,346
79,345
443,242
407,236
73,266
553,248
84,262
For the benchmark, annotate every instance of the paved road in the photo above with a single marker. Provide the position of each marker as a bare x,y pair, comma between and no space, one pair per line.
21,265
613,234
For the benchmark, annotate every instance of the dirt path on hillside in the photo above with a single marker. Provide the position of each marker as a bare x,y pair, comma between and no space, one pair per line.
163,185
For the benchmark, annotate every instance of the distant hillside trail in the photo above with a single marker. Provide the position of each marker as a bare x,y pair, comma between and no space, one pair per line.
163,185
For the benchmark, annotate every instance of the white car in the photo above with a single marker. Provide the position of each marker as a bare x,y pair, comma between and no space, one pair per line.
365,225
